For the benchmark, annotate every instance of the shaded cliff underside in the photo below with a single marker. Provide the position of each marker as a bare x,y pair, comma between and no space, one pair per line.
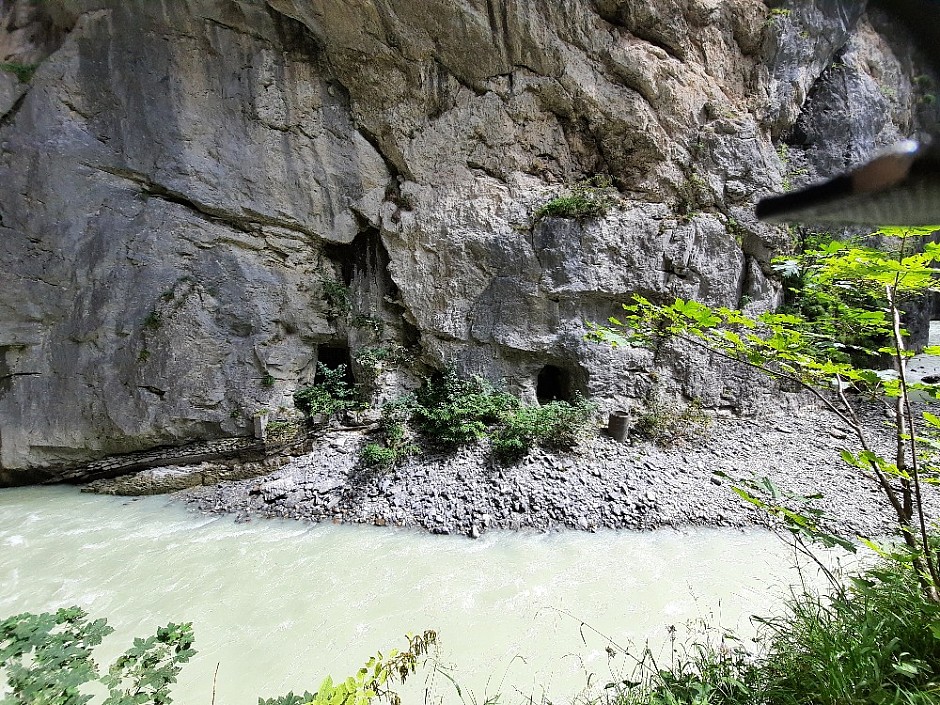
199,202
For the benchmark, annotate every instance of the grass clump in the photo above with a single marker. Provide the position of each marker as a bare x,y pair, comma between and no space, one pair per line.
875,641
24,72
588,199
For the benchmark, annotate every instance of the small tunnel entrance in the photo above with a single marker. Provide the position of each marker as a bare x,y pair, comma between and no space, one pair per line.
333,357
553,384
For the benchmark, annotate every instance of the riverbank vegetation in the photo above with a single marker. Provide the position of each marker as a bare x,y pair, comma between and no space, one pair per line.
449,411
849,283
872,641
48,659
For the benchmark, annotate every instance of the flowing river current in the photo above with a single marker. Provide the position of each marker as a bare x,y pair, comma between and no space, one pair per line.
279,605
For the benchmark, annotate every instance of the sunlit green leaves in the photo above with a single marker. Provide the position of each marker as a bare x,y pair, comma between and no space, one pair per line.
48,657
845,299
797,513
144,673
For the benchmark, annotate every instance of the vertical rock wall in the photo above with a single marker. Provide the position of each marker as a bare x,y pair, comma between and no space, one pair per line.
198,196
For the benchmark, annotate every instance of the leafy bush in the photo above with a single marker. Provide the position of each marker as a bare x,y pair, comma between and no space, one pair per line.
453,411
843,318
588,199
48,657
396,439
556,425
378,455
330,395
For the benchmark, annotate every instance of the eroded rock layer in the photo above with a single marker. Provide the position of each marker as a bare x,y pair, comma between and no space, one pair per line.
201,198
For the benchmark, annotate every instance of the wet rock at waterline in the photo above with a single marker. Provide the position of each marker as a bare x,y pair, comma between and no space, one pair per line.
196,206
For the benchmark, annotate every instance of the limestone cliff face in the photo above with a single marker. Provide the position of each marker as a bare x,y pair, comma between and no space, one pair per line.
200,198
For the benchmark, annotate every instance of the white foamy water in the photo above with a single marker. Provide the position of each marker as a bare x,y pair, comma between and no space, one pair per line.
279,605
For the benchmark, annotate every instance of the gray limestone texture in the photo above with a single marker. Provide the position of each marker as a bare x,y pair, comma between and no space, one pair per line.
200,200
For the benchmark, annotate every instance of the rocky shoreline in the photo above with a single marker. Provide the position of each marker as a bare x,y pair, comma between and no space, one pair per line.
603,484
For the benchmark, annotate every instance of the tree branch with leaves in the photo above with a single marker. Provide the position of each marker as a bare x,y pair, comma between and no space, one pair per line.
853,302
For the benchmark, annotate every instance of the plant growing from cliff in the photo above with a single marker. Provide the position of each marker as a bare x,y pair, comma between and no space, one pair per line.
789,347
777,13
330,393
336,296
154,320
373,360
24,72
693,194
789,171
591,198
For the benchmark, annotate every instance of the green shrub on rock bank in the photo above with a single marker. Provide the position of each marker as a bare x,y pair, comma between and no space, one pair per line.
558,425
330,394
450,411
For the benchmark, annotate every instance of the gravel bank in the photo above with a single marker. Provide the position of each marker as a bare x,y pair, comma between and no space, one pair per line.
604,484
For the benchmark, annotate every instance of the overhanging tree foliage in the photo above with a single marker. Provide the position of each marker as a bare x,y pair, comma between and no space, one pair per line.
862,291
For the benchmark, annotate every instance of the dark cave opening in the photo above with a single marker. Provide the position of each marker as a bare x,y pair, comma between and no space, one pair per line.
553,384
332,357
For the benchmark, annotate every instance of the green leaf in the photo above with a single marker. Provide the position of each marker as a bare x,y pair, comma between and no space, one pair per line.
906,668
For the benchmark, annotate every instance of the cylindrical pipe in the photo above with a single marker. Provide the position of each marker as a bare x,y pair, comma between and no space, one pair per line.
618,426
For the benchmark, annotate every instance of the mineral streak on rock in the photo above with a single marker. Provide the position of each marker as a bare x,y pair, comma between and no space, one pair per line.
199,199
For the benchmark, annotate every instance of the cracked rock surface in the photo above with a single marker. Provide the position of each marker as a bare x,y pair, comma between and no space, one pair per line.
197,205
